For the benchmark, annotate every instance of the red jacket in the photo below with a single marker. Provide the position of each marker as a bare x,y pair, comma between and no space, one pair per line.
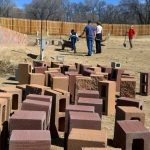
131,33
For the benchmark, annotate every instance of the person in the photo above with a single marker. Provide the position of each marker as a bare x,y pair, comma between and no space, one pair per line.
131,34
73,37
90,34
98,38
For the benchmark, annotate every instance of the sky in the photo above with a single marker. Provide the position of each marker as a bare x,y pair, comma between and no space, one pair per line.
20,3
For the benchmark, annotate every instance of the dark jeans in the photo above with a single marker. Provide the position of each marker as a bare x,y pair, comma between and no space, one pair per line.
73,43
98,42
130,42
90,45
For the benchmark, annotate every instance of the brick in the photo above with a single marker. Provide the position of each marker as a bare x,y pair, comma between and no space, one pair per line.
87,72
33,105
61,82
16,96
36,89
97,103
107,91
145,83
60,99
79,138
124,101
40,69
84,120
105,69
83,67
24,70
77,108
28,120
42,98
30,139
37,78
129,113
130,135
127,87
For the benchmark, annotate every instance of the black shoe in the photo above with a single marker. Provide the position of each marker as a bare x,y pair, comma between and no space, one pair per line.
88,55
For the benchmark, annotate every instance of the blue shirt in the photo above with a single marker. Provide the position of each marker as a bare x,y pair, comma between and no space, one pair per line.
89,29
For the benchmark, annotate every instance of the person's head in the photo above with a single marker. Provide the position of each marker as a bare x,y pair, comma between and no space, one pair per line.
72,30
98,23
89,21
131,26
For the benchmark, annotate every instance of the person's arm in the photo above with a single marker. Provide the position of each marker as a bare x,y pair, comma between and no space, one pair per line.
82,32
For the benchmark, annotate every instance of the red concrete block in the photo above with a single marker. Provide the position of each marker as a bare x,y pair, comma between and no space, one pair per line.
33,105
28,120
16,96
24,70
37,78
54,69
97,70
53,63
40,69
107,91
42,98
70,67
41,63
124,101
129,113
29,140
105,69
97,103
23,88
77,108
145,83
84,120
87,72
83,67
79,138
131,135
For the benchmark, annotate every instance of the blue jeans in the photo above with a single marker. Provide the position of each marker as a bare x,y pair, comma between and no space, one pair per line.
90,45
73,43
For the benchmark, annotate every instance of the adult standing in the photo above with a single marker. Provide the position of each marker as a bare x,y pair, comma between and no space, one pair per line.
98,38
90,34
131,34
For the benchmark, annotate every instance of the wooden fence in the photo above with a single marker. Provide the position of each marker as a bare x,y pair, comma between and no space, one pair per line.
28,26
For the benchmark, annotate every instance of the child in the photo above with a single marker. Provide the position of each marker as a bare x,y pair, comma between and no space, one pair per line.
131,34
73,37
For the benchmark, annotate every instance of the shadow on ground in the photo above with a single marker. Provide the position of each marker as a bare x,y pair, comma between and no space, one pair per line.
58,142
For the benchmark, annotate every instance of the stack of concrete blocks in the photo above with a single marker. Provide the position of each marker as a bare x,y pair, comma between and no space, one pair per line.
60,99
105,69
70,67
23,88
107,91
127,87
56,64
28,120
82,68
131,135
79,138
10,37
96,102
36,89
16,96
23,70
116,76
40,70
93,148
72,85
29,140
145,83
125,101
37,78
34,105
129,113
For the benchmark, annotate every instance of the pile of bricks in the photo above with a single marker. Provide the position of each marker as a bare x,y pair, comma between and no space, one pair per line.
54,99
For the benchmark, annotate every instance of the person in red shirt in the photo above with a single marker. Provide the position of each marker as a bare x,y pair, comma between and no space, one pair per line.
131,34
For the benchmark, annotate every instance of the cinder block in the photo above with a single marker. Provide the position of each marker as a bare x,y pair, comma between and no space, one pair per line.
97,103
93,148
83,67
61,82
129,113
145,83
37,78
97,70
105,69
36,89
30,139
54,69
42,98
24,70
53,63
127,87
107,91
60,99
23,88
16,96
8,98
84,120
77,108
41,63
68,68
40,69
33,105
28,120
87,72
131,135
79,138
125,101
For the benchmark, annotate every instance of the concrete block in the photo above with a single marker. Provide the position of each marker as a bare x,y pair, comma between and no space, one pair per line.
94,148
40,69
23,88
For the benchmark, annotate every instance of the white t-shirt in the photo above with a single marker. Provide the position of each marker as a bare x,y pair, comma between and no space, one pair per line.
99,29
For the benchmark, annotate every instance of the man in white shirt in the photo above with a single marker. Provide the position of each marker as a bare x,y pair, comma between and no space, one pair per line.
98,38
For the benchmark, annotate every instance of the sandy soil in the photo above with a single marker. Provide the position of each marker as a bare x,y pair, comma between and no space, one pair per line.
133,61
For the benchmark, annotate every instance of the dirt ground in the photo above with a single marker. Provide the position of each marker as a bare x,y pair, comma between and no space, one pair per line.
134,61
